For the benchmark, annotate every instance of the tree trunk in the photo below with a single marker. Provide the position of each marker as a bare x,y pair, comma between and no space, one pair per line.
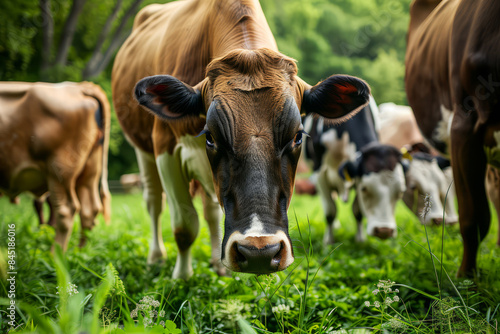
47,35
97,55
118,38
68,32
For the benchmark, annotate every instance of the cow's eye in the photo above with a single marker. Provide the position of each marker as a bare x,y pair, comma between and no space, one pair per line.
297,140
210,140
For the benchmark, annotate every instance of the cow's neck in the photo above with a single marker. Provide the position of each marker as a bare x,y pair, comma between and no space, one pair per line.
419,10
237,24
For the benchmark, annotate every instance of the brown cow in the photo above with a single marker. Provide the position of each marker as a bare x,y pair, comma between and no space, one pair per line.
452,70
228,81
55,138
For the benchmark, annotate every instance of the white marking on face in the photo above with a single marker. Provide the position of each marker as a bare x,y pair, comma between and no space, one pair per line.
378,194
256,228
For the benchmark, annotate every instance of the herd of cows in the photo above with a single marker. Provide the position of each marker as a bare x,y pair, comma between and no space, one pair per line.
209,103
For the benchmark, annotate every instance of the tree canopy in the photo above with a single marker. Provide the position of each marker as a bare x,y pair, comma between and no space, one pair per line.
58,40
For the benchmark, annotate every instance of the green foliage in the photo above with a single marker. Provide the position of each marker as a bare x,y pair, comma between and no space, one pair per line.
325,290
362,38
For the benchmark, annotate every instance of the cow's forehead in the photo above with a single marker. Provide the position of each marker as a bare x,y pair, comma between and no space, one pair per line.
249,70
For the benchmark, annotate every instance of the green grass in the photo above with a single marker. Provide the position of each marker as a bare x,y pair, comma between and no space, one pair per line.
324,291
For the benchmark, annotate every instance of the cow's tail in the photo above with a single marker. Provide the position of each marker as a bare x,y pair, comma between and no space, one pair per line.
105,122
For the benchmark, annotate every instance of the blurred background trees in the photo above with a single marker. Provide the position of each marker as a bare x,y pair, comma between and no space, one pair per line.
61,40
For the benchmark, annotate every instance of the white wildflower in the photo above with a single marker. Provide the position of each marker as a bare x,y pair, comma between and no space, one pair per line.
133,314
161,314
367,303
376,291
388,301
71,289
281,309
376,304
396,299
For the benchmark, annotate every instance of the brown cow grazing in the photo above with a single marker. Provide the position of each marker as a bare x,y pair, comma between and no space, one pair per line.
452,70
55,137
228,81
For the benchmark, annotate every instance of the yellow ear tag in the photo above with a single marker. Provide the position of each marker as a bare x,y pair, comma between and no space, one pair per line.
406,154
346,175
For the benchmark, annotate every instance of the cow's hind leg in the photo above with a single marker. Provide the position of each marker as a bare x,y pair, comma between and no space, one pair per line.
492,183
87,190
153,196
184,218
213,215
65,203
469,167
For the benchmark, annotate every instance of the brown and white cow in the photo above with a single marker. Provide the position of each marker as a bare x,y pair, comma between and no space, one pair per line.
54,138
452,73
223,77
426,175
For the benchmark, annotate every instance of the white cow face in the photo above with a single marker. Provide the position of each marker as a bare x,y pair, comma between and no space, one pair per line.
380,183
428,180
378,193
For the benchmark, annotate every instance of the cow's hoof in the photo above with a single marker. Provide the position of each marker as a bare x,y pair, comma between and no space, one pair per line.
182,273
157,255
218,267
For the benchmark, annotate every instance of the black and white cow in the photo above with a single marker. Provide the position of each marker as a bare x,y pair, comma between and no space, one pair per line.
349,154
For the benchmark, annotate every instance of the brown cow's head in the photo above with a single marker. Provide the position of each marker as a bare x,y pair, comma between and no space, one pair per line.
252,101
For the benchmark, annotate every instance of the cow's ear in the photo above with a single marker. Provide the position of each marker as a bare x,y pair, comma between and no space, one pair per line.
336,97
168,97
348,170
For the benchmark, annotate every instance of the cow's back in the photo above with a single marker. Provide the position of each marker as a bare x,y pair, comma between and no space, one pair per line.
37,122
179,39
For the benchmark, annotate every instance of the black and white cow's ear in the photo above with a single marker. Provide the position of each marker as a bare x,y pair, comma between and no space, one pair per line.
336,97
168,97
348,170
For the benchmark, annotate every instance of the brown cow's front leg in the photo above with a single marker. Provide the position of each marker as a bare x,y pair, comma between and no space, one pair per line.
469,166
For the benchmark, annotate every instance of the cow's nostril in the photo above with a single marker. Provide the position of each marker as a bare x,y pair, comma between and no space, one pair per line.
258,260
437,221
383,232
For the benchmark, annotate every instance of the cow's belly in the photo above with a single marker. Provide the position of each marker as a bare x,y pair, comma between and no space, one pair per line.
27,177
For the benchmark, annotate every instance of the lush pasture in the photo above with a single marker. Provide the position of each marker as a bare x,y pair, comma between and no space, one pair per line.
325,291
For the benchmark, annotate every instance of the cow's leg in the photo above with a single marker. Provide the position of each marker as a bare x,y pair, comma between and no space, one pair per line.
329,208
66,204
52,216
356,210
213,215
38,205
152,194
87,190
184,218
492,182
448,197
469,167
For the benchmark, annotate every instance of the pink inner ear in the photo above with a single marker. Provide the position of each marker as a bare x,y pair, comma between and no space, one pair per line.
156,89
346,89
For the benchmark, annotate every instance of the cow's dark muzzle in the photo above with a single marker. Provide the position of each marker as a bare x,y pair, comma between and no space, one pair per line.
265,260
